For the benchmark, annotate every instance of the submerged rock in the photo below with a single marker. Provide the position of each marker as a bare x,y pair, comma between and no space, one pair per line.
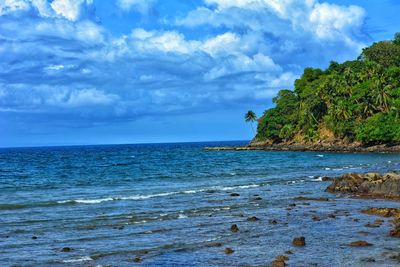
387,212
299,241
137,259
370,184
360,243
282,258
279,263
66,249
234,228
234,195
253,219
228,251
368,259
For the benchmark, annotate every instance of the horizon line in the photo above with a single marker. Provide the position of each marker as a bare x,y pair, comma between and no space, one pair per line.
121,144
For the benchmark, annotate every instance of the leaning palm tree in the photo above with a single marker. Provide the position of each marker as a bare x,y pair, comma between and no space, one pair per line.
251,117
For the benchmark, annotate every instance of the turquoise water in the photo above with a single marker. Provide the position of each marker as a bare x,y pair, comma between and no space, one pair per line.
171,205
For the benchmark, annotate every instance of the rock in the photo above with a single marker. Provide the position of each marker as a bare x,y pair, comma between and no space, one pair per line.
34,237
66,249
292,205
137,259
325,179
395,256
289,252
253,219
370,184
372,225
360,243
234,228
273,221
299,241
214,245
316,218
234,195
257,199
395,232
282,258
387,212
228,251
278,263
368,259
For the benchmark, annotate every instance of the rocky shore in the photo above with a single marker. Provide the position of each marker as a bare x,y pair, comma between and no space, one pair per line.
369,185
372,185
322,146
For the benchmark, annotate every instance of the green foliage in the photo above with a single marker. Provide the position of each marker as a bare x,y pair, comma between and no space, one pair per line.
356,100
396,40
380,128
250,116
384,53
287,132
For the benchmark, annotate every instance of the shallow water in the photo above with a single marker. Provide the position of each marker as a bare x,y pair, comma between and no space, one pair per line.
170,205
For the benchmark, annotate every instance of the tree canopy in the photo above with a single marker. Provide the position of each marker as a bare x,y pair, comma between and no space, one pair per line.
357,100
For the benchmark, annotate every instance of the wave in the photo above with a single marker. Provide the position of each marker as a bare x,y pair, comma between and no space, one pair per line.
100,200
121,198
142,197
78,260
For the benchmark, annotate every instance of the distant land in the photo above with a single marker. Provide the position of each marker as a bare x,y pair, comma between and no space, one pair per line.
353,106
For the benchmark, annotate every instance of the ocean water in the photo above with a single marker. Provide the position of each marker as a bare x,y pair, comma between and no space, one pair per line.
171,205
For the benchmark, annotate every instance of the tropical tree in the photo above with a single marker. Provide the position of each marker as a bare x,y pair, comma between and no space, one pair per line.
251,117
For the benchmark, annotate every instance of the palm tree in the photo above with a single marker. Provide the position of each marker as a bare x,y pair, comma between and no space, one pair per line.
251,117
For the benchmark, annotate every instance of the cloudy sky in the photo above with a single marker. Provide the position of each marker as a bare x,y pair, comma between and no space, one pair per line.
133,71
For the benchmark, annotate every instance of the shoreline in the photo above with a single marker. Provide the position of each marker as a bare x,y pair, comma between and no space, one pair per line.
320,147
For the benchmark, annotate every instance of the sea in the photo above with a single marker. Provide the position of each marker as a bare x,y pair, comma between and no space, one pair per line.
174,205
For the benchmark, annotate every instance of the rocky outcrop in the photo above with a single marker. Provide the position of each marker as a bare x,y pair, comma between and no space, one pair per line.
387,212
320,146
370,184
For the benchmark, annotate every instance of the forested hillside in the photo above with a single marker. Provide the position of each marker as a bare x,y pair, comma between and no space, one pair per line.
354,101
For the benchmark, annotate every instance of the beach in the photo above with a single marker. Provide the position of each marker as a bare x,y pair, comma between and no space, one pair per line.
181,205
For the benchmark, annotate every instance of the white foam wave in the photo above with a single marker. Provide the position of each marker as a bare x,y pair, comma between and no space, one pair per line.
87,258
181,216
141,197
321,156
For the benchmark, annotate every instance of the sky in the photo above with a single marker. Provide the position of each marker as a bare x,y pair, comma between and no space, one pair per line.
148,71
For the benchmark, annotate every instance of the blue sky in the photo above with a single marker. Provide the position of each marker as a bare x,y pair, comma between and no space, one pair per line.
133,71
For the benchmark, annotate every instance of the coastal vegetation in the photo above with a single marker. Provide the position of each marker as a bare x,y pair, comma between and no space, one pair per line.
251,117
356,101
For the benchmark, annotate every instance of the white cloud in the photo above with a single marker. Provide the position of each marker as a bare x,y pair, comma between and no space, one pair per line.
168,41
9,6
330,20
222,44
69,9
74,65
